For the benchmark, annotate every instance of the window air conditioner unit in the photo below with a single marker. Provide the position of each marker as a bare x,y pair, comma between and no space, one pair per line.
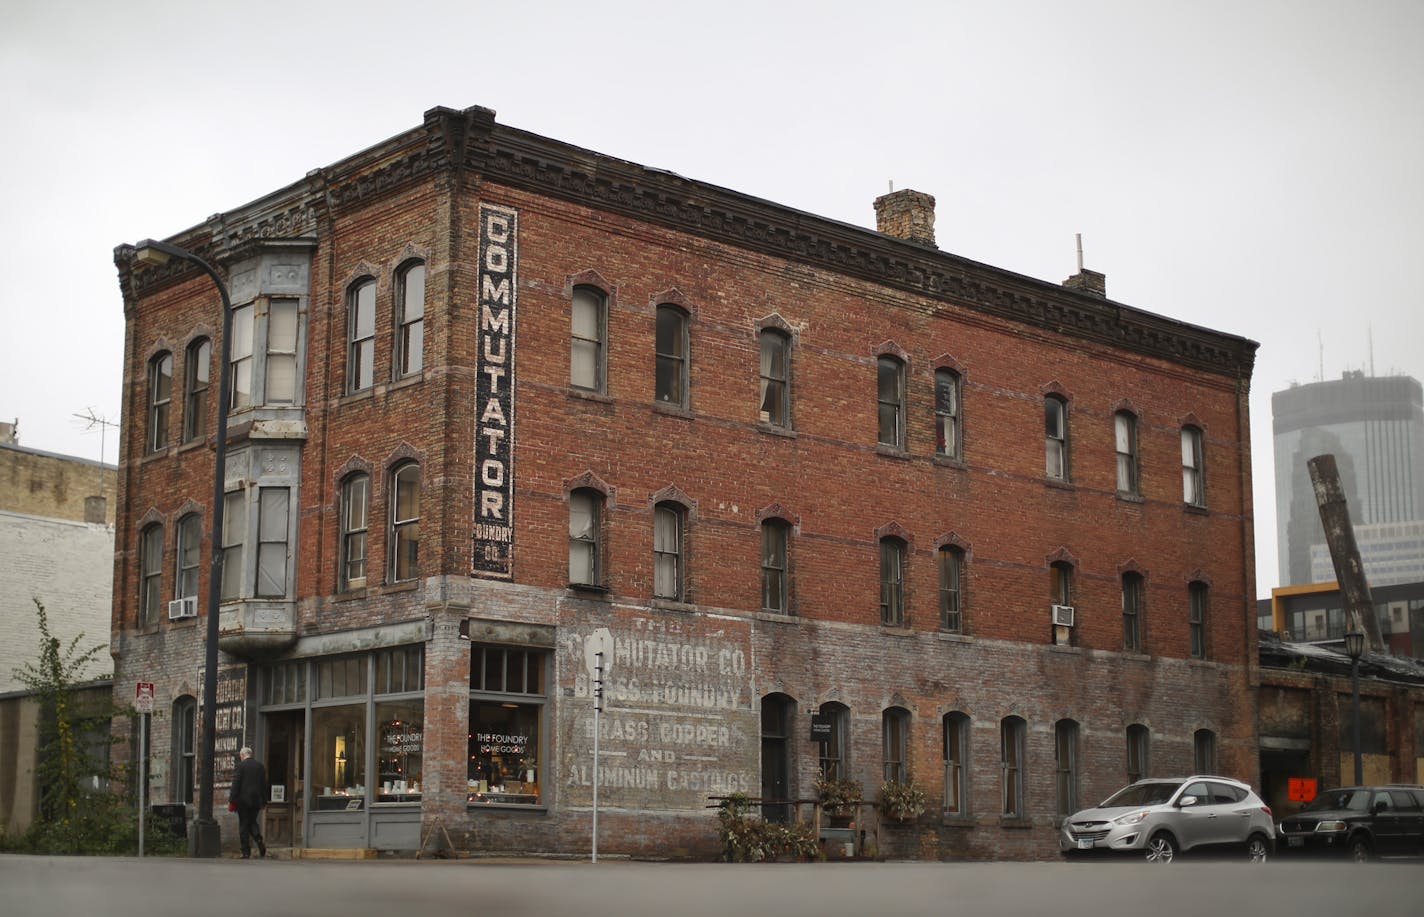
1063,615
178,609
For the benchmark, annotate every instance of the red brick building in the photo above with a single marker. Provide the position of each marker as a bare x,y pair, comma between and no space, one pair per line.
499,401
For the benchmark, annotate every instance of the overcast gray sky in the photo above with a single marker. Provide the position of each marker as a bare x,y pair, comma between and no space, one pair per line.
1254,167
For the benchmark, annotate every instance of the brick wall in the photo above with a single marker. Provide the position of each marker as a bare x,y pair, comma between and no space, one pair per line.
826,475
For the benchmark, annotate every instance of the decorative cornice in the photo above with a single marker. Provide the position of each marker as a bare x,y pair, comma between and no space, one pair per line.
450,142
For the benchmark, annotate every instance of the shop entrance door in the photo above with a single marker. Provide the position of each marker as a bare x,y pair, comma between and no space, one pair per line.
285,734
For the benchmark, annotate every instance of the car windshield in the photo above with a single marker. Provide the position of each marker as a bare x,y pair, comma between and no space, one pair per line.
1142,794
1357,799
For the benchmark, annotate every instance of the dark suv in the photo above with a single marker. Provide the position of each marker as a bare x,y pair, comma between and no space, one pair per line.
1361,821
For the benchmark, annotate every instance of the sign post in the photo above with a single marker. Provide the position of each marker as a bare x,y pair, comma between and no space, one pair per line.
143,703
598,657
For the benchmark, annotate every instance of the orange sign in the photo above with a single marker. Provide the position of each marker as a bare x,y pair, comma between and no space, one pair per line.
1300,789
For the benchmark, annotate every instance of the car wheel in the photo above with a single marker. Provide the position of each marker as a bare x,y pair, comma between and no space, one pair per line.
1360,850
1258,849
1161,848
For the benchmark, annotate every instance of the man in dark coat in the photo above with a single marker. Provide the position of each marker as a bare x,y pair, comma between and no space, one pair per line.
249,792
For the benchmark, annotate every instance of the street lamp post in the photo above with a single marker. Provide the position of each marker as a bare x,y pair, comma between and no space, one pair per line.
1354,648
205,840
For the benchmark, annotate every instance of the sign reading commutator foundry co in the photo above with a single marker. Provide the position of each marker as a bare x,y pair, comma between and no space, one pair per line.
493,534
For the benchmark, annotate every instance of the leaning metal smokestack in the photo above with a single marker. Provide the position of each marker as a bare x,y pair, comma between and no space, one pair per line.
1344,553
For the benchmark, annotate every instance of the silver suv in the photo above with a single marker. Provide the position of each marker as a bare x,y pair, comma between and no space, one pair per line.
1162,817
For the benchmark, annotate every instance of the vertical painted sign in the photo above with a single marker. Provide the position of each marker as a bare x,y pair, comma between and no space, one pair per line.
493,534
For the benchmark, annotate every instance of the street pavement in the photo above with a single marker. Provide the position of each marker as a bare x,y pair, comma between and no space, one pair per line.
157,887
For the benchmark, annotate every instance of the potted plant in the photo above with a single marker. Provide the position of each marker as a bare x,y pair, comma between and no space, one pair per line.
902,801
839,796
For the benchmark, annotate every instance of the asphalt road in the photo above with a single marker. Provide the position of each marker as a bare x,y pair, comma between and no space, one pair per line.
130,887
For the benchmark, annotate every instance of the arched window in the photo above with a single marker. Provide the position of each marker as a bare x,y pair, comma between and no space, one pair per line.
361,336
671,371
1204,751
1196,618
1138,745
404,536
588,320
1125,443
890,397
775,590
410,319
197,368
834,763
151,574
947,413
956,763
1193,478
776,714
895,743
1132,592
1055,424
775,378
188,552
892,582
951,589
585,511
1060,592
355,507
1065,760
160,397
668,560
184,760
1012,736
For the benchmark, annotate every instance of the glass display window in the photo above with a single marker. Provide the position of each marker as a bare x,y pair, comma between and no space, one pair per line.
506,725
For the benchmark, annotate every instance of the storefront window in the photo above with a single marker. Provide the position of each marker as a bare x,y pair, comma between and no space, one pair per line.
339,756
402,731
506,725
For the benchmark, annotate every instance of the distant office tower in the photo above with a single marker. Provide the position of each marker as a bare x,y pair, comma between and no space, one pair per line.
1375,428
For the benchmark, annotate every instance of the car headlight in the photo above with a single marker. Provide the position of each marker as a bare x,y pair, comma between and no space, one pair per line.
1330,826
1131,818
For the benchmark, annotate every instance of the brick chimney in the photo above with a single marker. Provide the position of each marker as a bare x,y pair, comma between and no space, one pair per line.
907,215
10,433
1088,282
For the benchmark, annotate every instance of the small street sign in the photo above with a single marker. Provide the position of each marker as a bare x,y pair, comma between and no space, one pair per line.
143,697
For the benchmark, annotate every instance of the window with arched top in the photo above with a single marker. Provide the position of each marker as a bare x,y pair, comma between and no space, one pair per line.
1196,619
354,522
361,336
188,553
1204,751
890,400
1139,741
671,370
588,342
892,581
150,574
1055,427
895,744
1193,465
184,754
585,514
956,763
160,399
404,534
777,711
197,368
410,320
775,566
775,406
1132,596
669,560
951,589
834,762
1012,738
947,437
1125,445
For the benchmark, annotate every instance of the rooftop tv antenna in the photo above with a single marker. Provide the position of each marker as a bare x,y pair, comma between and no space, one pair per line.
1320,351
92,420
